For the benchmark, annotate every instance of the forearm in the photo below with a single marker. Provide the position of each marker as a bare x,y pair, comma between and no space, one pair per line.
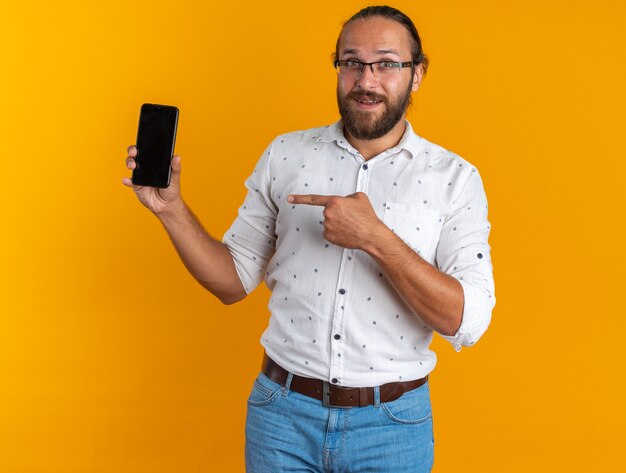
435,296
208,260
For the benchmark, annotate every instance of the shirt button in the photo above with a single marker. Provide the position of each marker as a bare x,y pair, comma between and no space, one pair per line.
334,380
342,291
365,166
337,336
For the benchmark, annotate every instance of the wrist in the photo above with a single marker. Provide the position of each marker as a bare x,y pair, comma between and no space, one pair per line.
172,212
378,240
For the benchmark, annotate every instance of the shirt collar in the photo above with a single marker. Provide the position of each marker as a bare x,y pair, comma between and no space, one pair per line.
409,141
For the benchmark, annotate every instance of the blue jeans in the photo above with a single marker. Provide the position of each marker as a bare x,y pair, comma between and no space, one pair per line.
289,432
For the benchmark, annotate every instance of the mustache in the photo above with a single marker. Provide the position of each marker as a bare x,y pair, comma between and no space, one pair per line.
367,95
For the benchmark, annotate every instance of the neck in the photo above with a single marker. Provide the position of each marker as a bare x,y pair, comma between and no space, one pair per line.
371,148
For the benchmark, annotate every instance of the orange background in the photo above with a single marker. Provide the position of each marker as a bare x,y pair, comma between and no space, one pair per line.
112,359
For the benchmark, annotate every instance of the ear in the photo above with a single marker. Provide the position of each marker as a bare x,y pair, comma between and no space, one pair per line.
418,74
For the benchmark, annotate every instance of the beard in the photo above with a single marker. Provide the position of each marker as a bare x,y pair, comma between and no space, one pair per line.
365,125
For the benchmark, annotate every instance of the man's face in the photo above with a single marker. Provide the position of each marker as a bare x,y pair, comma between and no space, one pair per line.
371,104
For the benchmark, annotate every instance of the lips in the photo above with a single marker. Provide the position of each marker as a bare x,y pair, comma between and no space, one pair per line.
366,101
366,97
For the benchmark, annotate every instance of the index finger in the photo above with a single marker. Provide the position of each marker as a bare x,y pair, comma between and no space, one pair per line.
132,150
309,199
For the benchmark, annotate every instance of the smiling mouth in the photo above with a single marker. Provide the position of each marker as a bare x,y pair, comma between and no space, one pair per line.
366,100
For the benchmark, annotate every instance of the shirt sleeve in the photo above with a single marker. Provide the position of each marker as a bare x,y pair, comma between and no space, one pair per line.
251,239
464,253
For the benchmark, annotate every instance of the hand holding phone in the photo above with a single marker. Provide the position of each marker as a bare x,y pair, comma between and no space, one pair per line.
157,199
156,136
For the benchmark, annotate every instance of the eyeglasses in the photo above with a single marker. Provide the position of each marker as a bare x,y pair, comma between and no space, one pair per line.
382,68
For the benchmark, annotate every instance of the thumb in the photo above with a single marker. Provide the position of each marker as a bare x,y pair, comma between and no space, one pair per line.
175,179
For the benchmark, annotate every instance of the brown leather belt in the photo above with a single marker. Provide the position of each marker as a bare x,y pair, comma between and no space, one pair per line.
332,395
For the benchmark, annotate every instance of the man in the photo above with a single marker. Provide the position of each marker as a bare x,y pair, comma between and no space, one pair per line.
371,239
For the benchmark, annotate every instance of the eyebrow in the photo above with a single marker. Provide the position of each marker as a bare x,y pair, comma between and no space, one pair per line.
380,51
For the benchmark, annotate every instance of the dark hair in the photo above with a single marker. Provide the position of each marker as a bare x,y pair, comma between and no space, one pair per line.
391,13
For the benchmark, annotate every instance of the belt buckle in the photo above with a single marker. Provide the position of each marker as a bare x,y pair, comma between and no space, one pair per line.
326,397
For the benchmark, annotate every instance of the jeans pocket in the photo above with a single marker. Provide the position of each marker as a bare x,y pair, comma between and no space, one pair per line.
410,408
264,391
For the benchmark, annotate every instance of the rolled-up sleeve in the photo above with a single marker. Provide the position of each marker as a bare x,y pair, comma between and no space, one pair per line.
251,239
464,253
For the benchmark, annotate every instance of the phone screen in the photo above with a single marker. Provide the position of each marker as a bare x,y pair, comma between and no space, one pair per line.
155,145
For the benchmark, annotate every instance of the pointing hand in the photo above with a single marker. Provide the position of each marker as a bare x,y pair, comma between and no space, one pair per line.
349,221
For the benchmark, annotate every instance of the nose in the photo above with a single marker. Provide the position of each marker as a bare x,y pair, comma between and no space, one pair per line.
367,78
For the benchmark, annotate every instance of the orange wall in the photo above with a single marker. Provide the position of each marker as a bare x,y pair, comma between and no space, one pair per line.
112,359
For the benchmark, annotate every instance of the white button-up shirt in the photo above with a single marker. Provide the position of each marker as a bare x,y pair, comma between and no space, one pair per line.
334,314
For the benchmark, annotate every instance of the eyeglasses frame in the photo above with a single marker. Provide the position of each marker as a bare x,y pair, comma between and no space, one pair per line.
338,62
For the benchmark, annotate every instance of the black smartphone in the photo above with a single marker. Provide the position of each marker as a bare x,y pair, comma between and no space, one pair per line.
155,145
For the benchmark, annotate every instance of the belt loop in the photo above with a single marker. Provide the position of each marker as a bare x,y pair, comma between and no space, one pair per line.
376,396
287,385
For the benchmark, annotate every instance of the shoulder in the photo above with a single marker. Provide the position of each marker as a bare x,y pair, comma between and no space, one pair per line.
291,144
450,171
437,158
296,142
440,157
293,138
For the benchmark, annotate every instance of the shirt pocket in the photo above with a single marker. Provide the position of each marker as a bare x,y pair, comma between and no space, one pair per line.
419,227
